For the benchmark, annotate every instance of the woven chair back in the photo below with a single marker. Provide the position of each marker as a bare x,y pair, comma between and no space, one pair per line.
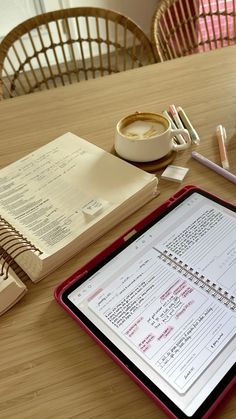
70,45
184,27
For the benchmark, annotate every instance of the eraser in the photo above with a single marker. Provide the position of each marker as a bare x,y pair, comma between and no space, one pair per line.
175,173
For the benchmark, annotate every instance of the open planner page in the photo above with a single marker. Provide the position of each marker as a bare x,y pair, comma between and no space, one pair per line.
60,190
172,328
205,241
61,197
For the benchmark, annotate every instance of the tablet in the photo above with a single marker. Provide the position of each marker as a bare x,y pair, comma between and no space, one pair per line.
161,302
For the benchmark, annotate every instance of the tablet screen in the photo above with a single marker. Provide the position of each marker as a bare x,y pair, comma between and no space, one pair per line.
163,303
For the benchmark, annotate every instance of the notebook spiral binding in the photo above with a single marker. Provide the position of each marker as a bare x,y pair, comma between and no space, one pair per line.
12,244
200,280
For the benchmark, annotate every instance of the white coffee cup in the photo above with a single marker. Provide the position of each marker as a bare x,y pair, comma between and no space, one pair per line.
147,136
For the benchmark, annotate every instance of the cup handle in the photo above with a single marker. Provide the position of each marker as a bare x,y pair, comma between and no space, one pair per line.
185,139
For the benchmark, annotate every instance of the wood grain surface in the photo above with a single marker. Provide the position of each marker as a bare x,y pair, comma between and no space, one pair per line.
49,367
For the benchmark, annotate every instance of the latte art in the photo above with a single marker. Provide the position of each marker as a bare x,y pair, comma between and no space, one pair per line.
146,137
141,130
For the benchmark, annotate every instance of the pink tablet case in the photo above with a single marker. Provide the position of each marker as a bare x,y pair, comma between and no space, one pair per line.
101,256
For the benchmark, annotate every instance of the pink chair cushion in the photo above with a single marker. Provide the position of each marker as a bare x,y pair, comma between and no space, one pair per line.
218,26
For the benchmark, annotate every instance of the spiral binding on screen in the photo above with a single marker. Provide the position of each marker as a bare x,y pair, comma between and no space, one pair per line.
199,279
12,245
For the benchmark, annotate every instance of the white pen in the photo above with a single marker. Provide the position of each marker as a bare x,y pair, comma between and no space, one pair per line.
179,137
175,116
221,137
192,132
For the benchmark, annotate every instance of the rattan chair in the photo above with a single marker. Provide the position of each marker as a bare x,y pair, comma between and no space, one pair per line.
69,45
184,27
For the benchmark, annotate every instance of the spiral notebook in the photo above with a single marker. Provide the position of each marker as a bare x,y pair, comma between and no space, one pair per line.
56,201
161,302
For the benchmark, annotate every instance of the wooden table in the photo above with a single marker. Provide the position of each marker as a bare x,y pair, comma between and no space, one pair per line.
49,367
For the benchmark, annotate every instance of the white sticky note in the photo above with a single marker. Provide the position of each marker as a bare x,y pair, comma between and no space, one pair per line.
92,207
175,173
